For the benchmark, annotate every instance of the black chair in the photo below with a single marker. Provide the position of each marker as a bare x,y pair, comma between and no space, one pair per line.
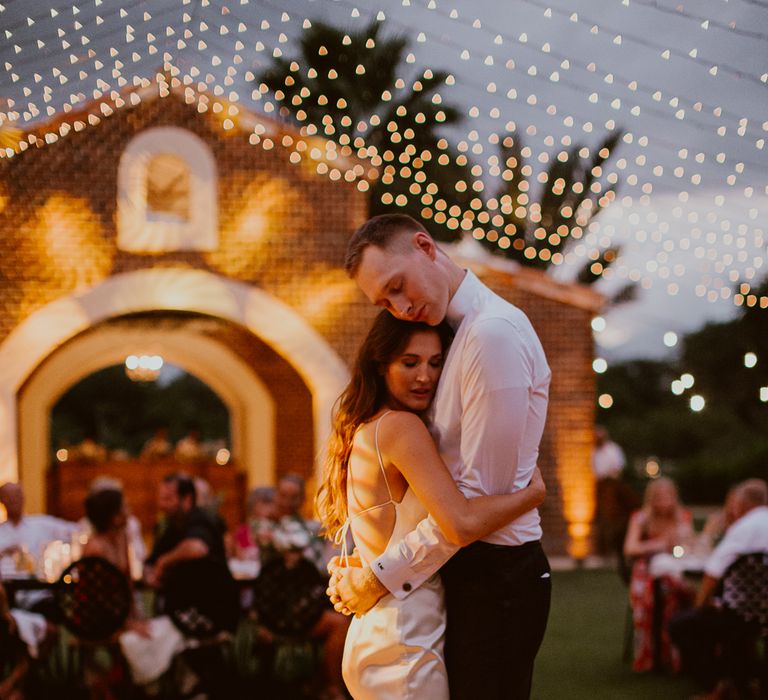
94,599
745,595
288,603
202,599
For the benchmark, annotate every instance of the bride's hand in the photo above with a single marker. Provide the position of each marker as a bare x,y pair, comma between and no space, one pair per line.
355,590
337,562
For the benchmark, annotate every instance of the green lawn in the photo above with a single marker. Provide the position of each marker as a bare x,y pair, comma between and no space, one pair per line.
581,653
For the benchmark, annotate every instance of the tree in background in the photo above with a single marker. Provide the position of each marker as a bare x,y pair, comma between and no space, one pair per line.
726,442
539,233
122,414
352,86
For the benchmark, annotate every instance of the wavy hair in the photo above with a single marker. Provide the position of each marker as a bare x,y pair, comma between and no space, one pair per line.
364,396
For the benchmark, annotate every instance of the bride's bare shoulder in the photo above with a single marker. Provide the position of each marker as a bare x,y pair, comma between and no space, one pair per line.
401,424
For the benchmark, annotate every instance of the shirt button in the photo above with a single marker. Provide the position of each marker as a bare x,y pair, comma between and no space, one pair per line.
406,587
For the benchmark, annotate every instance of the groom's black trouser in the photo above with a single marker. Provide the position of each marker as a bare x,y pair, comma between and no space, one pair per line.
497,602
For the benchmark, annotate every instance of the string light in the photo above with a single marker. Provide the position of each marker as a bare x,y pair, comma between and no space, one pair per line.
214,46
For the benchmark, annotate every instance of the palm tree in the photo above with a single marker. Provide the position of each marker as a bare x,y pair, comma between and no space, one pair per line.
536,232
349,90
539,233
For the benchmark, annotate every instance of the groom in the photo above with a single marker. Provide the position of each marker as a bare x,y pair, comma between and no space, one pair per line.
488,418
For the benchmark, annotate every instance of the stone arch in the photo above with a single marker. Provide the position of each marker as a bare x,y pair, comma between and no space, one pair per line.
169,289
250,405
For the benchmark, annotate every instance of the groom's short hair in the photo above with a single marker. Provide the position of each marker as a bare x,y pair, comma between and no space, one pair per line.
378,231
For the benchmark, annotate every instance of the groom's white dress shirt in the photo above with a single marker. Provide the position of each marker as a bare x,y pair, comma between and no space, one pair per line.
487,419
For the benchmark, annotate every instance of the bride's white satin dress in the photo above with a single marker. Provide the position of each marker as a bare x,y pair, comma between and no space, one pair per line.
395,650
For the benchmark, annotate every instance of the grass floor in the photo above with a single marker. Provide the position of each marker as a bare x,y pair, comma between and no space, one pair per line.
582,649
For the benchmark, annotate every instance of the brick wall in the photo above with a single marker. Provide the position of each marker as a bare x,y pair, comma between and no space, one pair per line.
58,235
566,445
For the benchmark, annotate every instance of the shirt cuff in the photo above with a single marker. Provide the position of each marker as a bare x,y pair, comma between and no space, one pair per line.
403,568
398,578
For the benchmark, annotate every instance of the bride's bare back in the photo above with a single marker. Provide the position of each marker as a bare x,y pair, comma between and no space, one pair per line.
366,488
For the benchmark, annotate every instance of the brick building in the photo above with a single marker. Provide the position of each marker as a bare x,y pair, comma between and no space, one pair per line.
182,225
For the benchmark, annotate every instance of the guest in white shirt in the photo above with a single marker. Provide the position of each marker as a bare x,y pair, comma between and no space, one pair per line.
23,536
610,519
699,633
488,418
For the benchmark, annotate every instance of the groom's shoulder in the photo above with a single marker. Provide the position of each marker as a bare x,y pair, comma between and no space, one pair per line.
501,324
500,316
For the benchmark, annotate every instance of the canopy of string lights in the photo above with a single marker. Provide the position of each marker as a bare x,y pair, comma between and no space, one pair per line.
622,142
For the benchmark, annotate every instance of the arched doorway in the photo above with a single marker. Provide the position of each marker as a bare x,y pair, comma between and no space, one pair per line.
174,290
250,404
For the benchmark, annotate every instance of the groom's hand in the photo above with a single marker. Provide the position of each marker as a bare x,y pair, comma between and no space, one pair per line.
355,590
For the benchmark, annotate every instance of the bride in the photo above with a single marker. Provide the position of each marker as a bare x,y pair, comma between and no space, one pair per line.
383,474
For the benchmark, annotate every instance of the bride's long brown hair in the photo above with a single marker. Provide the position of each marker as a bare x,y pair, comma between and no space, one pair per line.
364,396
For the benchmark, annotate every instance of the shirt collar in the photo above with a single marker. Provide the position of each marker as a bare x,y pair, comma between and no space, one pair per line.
462,301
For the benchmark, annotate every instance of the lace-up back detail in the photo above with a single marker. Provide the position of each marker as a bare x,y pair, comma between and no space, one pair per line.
401,524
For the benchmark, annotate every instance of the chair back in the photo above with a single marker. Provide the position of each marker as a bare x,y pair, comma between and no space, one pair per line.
289,602
745,589
201,598
94,598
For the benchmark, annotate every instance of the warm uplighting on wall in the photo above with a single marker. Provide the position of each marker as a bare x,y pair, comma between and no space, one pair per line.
575,476
579,534
143,368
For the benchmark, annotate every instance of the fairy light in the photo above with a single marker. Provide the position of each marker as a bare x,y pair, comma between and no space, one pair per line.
697,403
605,401
670,339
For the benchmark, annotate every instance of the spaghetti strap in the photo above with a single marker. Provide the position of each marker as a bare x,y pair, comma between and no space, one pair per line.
341,534
378,454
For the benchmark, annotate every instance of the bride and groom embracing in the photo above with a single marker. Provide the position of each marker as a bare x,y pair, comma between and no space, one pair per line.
437,476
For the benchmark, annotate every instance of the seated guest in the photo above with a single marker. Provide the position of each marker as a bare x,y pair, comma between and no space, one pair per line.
256,533
289,499
23,539
188,566
147,645
14,662
109,540
188,533
718,522
660,525
157,446
136,547
708,635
